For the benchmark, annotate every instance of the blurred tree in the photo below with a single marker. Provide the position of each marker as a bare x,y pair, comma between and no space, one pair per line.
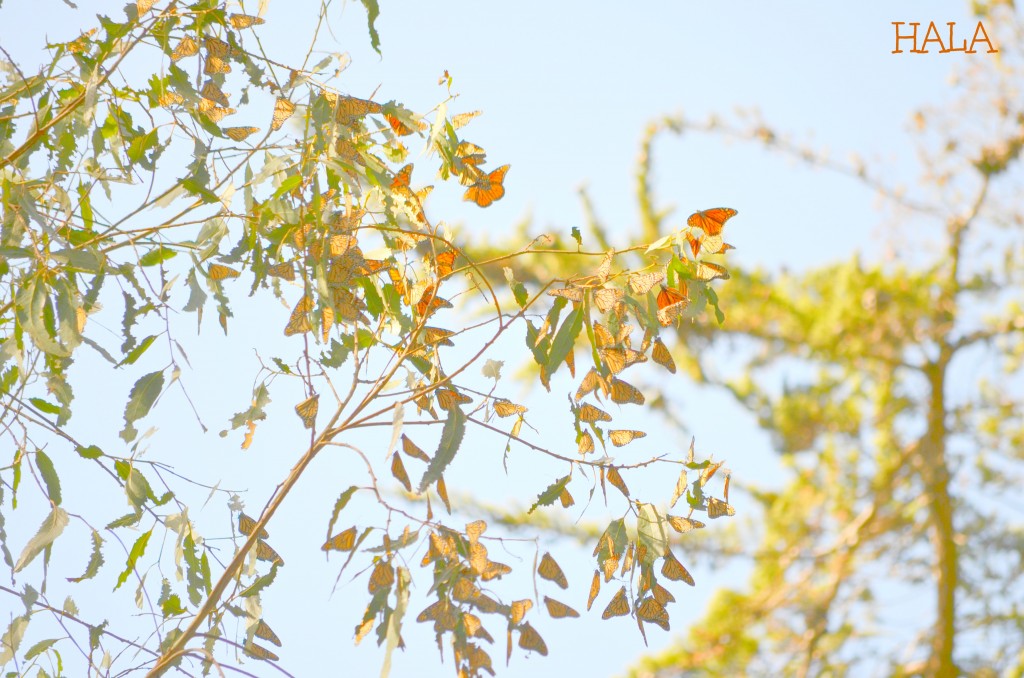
128,200
893,390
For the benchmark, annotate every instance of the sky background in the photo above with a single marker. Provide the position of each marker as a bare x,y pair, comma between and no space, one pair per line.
566,92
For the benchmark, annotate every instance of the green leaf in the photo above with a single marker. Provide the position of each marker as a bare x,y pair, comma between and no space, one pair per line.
141,400
11,639
577,236
125,521
261,582
44,406
451,438
50,479
157,255
137,352
372,12
565,340
338,506
650,527
172,606
138,548
550,495
287,185
51,528
95,560
91,452
40,647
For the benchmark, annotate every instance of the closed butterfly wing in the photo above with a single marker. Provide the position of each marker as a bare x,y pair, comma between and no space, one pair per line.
559,610
590,414
624,437
260,652
586,444
573,294
625,393
650,610
602,336
350,109
618,607
186,47
448,398
606,298
343,541
671,303
595,588
506,408
246,525
529,639
264,631
444,263
709,271
674,570
549,569
214,65
241,21
216,47
264,552
660,354
221,272
382,577
711,221
488,189
307,410
642,283
299,323
283,109
240,133
719,509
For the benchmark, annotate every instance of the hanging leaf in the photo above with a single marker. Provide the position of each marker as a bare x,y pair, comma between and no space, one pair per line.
451,439
52,527
141,400
551,494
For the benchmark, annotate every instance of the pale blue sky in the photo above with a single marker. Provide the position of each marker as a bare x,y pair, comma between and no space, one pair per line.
567,89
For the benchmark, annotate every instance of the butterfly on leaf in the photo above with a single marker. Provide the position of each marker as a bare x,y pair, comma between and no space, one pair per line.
186,47
711,221
559,610
214,93
708,271
606,298
549,569
487,188
618,359
283,109
573,294
399,127
618,607
349,109
671,304
307,410
382,577
448,398
215,65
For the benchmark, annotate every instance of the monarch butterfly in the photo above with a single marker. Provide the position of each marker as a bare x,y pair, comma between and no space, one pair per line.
444,263
618,606
660,354
573,294
662,594
217,114
371,266
260,652
401,178
216,47
430,302
440,613
214,93
298,323
283,109
684,525
437,335
590,383
475,628
348,109
586,443
602,336
220,272
711,221
464,590
618,359
215,65
708,472
307,410
343,541
398,471
642,283
558,610
549,569
349,306
143,6
674,570
462,119
718,508
590,414
442,492
241,21
246,525
186,47
494,570
708,271
725,492
518,610
266,633
650,610
695,243
595,588
566,499
240,133
448,398
342,243
671,302
382,577
169,99
624,437
605,298
529,639
413,450
466,161
506,408
615,478
624,393
264,552
399,127
487,189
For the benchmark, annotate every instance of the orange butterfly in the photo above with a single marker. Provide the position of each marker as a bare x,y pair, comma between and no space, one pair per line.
574,294
488,189
641,283
186,47
623,393
264,552
529,639
399,127
620,437
661,355
671,302
506,408
383,577
590,414
429,301
246,525
586,443
708,271
260,652
650,610
718,508
595,588
559,610
444,263
618,607
221,272
674,570
307,410
711,221
240,133
549,569
266,633
245,20
283,109
343,541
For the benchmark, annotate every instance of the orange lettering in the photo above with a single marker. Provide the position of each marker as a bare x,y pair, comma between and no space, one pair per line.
951,24
928,38
912,37
981,29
